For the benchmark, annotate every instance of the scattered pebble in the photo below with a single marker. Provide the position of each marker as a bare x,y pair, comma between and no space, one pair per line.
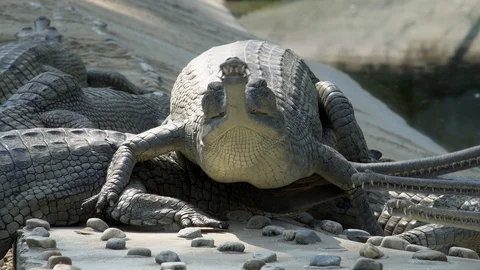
32,223
203,242
231,246
49,253
54,260
254,264
375,240
239,215
272,267
289,235
115,243
190,233
415,248
306,237
356,235
331,226
272,230
65,267
167,256
138,251
325,260
40,231
112,233
173,266
463,253
429,255
97,224
258,222
267,256
394,242
368,250
39,241
367,264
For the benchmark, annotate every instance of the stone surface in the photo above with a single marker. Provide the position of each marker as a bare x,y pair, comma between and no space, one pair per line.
272,230
306,237
40,231
367,264
463,253
49,253
65,267
54,260
375,240
394,242
254,264
267,256
167,256
356,235
32,223
173,266
368,250
97,224
203,242
258,222
415,248
112,233
331,226
39,241
231,247
239,216
289,235
325,260
272,267
190,233
116,243
429,255
138,251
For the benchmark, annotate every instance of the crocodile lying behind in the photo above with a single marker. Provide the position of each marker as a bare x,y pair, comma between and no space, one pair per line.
47,173
267,120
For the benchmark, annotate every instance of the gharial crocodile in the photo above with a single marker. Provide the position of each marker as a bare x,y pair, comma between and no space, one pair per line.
48,172
265,119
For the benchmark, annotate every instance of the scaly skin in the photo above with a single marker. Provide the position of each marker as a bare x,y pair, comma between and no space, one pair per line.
57,100
267,120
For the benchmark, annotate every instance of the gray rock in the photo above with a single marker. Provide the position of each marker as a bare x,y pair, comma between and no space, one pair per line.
54,260
112,233
65,267
167,256
190,233
375,240
463,253
231,246
254,264
415,248
39,241
289,235
173,266
394,242
368,250
40,231
367,264
32,223
49,253
429,255
239,215
272,267
331,226
97,224
267,256
356,235
325,260
203,242
258,222
143,252
306,237
272,230
115,243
